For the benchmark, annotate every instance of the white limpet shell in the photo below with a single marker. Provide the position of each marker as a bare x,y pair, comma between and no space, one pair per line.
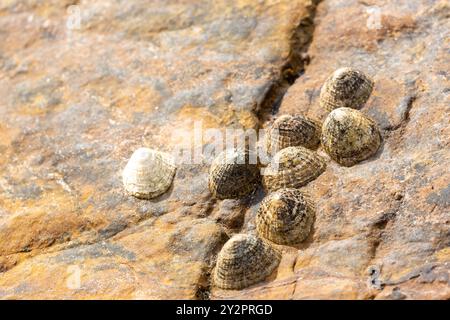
149,173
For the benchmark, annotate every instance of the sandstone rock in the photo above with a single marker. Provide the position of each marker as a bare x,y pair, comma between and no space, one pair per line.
75,103
161,258
81,88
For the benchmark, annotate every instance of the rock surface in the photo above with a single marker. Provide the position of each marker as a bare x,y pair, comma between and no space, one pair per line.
78,99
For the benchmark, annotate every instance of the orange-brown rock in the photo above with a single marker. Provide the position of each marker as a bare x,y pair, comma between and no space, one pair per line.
82,87
75,103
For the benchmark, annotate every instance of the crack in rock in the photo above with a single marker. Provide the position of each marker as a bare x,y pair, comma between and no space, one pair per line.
408,102
294,67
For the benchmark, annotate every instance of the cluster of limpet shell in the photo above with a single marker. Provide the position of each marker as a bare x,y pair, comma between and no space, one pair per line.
286,214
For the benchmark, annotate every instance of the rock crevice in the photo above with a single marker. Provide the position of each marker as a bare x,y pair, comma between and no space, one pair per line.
295,65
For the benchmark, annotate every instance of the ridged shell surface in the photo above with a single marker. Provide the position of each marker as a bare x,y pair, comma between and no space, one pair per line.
148,173
349,137
346,87
285,216
293,167
292,131
243,261
233,174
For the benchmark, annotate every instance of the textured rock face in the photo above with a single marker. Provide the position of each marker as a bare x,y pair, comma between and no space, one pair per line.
76,102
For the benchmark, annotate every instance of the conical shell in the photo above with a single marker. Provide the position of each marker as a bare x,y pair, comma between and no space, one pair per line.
233,174
285,216
243,261
292,131
346,87
349,137
293,167
148,173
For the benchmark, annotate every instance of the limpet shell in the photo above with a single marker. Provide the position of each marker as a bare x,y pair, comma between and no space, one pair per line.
292,131
148,174
285,216
346,87
292,167
349,137
243,261
233,175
